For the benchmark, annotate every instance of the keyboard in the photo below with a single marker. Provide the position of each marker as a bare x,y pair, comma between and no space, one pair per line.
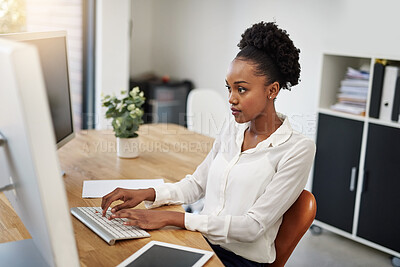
108,230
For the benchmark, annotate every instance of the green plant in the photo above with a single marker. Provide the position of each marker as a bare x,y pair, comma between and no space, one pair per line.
126,112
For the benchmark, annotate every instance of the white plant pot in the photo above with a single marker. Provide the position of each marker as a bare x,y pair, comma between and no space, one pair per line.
128,147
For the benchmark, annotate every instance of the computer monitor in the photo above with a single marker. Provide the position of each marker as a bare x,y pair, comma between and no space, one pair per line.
29,168
52,48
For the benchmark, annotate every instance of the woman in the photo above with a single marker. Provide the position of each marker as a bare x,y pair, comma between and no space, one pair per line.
257,168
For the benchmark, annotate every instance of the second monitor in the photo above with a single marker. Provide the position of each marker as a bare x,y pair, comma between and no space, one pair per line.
52,49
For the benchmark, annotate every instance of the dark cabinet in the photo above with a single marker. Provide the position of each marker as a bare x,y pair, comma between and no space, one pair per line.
379,218
165,100
336,170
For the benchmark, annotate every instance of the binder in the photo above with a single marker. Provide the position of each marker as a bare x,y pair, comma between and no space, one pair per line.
396,102
388,88
376,90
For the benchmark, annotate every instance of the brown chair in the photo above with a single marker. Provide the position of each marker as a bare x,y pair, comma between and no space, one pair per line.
296,221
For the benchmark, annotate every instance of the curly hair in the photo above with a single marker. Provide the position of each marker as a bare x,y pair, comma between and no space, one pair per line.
272,52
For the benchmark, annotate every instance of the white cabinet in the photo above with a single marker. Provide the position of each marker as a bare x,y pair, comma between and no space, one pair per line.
356,177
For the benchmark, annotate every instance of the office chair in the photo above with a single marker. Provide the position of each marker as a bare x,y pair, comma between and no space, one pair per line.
206,112
296,221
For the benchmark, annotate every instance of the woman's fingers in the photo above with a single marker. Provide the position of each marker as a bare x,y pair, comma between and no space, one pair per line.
132,223
110,198
125,205
129,214
144,219
106,197
107,204
130,198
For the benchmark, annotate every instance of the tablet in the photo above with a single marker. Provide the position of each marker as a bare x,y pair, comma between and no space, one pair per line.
157,253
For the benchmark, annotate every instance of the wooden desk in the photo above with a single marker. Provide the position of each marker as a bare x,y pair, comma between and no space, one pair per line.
168,151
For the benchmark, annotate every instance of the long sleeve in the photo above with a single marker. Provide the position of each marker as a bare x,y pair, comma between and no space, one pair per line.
189,189
285,187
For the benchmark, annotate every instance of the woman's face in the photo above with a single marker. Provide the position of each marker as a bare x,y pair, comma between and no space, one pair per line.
248,94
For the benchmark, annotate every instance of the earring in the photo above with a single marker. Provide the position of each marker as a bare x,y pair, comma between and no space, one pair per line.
270,97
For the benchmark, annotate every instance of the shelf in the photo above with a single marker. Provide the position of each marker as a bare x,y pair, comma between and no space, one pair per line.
339,114
334,69
384,123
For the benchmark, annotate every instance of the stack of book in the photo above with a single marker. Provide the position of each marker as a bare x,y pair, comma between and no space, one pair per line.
353,92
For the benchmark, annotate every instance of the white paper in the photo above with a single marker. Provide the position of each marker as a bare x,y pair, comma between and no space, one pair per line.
99,188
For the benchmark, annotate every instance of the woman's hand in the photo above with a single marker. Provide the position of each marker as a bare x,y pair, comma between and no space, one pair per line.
150,219
130,197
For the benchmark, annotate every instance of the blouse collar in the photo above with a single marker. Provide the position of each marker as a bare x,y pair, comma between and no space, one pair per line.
283,133
280,136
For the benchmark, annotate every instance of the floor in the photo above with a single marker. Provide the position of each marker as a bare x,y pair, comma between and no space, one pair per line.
332,250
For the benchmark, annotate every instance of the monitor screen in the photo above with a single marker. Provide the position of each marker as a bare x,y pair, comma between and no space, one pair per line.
52,49
29,168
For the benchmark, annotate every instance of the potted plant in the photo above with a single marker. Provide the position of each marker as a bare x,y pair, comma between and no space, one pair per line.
127,113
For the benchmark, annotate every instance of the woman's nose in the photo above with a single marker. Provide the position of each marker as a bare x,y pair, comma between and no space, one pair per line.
232,99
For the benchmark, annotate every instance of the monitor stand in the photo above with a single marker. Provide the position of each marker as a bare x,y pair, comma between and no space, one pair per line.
21,253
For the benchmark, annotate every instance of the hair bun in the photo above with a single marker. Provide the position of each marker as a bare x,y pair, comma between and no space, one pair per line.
275,42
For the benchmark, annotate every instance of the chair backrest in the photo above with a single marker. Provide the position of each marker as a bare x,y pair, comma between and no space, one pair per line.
206,111
296,221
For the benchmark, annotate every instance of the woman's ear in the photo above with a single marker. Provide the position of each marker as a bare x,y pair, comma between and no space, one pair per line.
273,90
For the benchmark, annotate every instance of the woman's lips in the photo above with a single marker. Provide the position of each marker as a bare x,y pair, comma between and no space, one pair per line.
235,111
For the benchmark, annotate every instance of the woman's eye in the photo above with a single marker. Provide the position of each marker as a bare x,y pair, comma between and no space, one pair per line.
228,87
241,89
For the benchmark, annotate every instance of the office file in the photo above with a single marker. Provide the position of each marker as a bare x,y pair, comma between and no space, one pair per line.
376,91
396,101
388,88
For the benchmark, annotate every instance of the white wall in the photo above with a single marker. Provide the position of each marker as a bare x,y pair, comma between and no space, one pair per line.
112,52
141,62
197,40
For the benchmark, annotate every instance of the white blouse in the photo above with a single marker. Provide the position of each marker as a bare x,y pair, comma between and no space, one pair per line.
245,193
